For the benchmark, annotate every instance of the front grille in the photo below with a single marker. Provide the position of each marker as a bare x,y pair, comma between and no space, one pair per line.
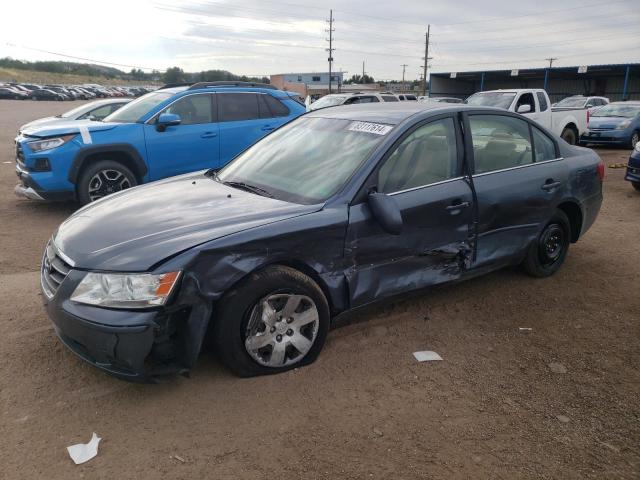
19,155
54,270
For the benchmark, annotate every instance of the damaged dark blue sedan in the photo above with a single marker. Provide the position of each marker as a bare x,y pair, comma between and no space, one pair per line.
337,209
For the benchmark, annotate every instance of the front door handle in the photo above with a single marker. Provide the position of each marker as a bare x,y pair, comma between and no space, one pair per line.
209,135
457,206
550,185
268,128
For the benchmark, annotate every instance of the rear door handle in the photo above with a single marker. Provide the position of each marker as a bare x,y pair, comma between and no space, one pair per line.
550,185
457,206
209,135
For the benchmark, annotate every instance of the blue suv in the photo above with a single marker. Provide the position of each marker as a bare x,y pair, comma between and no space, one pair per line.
173,130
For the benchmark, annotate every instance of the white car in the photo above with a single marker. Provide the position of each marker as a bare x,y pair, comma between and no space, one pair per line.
336,99
580,101
95,110
534,103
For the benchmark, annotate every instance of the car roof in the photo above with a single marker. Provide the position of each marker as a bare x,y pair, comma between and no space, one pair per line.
388,113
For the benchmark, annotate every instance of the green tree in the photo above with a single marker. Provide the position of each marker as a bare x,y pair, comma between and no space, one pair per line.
173,75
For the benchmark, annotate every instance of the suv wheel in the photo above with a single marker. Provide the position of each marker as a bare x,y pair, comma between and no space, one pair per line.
104,178
275,320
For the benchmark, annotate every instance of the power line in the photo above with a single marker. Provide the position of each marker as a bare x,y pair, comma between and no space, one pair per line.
80,58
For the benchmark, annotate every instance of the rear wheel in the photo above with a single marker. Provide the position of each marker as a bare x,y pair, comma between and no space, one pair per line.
103,178
569,135
634,139
275,320
547,254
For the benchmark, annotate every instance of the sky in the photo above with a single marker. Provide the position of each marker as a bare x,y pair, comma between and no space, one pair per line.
256,38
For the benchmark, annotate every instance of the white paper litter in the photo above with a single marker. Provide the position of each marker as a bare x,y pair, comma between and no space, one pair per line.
426,356
83,452
526,329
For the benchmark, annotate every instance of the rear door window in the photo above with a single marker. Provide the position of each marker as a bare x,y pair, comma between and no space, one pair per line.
271,107
233,107
389,98
499,142
542,100
543,146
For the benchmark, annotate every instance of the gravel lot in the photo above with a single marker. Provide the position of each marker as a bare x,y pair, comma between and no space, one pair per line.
494,408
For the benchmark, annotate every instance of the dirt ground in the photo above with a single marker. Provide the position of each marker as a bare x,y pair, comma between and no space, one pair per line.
494,408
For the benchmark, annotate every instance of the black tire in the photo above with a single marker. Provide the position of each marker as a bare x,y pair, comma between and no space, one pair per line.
542,259
235,310
570,136
86,183
636,185
635,137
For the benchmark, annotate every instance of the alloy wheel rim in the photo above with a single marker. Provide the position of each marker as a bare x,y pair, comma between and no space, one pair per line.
281,330
634,140
551,244
106,182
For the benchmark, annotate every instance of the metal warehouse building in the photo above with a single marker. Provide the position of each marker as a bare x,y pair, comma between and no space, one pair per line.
618,82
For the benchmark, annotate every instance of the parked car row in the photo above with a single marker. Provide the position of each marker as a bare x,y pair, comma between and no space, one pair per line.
26,91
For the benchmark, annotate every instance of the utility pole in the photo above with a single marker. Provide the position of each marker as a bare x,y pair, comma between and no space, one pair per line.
362,79
551,60
426,60
404,66
330,49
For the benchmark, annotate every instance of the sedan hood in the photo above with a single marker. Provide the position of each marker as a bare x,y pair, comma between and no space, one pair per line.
606,123
138,228
64,127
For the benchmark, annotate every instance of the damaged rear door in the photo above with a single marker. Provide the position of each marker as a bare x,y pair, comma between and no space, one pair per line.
422,171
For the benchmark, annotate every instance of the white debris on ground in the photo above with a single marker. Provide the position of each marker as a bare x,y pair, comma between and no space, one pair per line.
83,452
426,356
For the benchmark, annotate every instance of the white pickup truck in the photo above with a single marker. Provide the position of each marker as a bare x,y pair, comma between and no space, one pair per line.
534,103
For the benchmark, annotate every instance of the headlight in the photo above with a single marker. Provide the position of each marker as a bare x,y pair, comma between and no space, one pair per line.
122,290
624,124
49,143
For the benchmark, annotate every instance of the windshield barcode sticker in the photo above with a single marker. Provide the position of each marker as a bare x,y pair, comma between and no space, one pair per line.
377,128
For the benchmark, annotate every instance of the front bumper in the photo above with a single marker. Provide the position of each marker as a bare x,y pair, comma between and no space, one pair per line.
633,168
605,137
31,189
134,345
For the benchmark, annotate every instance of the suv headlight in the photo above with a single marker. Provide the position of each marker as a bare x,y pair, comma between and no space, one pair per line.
624,124
123,290
49,143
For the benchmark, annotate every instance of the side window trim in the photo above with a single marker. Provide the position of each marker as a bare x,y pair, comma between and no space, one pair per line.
459,153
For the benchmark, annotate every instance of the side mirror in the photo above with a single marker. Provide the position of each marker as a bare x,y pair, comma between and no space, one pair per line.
524,109
386,211
167,120
92,118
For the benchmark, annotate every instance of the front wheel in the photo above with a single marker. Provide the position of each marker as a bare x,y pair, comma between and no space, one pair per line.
636,185
547,254
569,135
103,178
275,320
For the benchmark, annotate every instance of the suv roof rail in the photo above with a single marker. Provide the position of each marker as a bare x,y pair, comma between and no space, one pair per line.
173,85
232,84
